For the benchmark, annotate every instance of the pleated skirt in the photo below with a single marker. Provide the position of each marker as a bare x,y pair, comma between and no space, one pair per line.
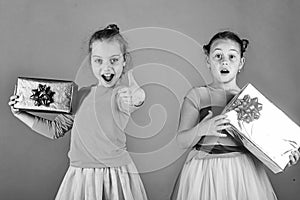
110,183
235,176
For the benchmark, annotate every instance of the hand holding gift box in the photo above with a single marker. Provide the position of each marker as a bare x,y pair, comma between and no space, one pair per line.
266,131
44,95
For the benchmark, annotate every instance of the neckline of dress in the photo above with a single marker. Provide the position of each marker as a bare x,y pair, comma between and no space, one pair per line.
212,88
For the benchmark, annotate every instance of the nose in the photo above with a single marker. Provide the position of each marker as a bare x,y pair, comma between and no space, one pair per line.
224,62
106,65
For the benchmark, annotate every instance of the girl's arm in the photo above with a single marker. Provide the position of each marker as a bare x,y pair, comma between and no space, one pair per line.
53,129
187,130
50,128
190,130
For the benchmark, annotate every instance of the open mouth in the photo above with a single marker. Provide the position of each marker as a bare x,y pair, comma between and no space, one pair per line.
107,77
224,71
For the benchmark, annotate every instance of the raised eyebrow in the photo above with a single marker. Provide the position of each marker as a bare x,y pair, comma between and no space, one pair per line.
234,50
107,57
95,56
216,49
116,55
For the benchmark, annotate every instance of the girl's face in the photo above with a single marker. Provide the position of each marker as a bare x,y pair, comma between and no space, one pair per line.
225,60
107,62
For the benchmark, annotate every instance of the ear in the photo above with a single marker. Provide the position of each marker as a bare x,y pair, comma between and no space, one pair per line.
242,62
126,59
125,56
207,61
90,59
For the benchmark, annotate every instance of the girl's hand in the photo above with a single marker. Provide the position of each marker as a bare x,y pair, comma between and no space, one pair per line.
132,96
212,126
294,158
124,98
137,93
12,101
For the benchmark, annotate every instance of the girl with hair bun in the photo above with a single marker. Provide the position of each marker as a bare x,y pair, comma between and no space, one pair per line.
218,167
100,166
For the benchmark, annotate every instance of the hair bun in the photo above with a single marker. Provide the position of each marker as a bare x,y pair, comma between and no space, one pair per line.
245,44
112,27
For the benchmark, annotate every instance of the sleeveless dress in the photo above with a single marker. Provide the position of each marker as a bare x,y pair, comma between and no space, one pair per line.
220,168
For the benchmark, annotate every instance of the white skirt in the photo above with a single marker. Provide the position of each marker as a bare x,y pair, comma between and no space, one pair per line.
235,176
110,183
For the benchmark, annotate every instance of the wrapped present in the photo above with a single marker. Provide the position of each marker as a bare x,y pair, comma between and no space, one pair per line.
266,131
44,95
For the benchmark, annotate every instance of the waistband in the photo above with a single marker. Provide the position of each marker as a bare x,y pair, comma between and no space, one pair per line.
220,149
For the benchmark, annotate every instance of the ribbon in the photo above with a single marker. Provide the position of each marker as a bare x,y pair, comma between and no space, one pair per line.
247,108
42,95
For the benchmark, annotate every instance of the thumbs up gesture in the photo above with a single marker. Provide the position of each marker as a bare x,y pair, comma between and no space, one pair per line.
132,96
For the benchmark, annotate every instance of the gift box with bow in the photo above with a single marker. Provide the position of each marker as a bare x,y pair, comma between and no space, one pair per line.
266,131
44,95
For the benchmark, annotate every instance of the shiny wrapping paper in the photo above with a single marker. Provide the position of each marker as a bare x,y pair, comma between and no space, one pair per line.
266,131
44,95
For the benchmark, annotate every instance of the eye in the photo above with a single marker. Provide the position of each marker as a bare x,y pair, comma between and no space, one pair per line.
232,57
114,61
98,61
218,56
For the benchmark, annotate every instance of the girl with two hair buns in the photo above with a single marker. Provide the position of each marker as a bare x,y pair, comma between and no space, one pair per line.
218,166
100,166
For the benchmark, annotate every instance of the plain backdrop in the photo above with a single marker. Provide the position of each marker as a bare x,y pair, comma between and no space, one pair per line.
40,38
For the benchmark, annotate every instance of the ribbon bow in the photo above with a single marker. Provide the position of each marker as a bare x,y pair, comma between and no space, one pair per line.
42,95
247,108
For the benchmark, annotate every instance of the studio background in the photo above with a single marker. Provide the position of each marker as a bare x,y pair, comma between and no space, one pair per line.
40,38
